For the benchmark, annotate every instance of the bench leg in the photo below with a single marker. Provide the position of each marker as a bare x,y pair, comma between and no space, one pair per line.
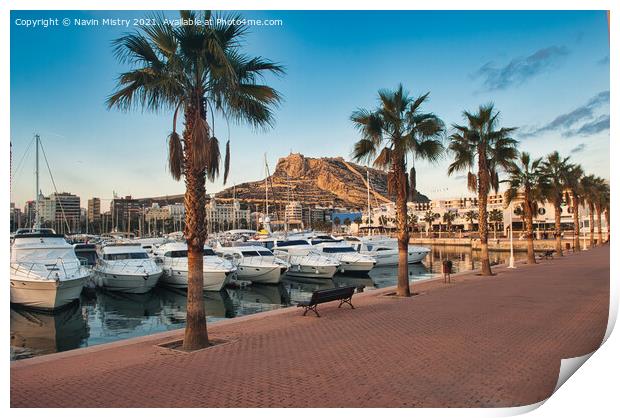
313,309
347,300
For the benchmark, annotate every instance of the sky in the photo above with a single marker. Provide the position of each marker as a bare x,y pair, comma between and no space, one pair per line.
547,72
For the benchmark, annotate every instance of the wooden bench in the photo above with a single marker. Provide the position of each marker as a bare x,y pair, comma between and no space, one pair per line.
343,294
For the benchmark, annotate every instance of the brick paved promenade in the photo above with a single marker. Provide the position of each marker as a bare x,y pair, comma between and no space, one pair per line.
480,342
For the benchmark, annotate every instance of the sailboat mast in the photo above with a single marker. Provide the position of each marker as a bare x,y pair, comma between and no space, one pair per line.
266,190
235,212
288,183
368,197
37,218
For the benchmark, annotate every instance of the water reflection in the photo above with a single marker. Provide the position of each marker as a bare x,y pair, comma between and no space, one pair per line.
38,333
259,298
104,316
218,305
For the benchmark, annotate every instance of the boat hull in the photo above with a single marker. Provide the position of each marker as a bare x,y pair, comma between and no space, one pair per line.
315,272
261,274
45,294
213,281
128,283
356,266
390,258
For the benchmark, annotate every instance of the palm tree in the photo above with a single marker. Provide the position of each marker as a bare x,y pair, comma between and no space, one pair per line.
347,222
525,179
591,187
412,220
429,218
358,222
574,174
194,70
470,217
493,149
602,205
448,218
495,217
555,170
395,133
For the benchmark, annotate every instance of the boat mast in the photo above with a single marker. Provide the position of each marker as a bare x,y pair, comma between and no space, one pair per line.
368,197
235,206
285,209
37,218
266,190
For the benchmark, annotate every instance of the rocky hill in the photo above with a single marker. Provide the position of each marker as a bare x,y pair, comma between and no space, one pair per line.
316,181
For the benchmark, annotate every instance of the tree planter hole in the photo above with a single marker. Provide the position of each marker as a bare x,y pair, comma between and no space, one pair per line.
177,345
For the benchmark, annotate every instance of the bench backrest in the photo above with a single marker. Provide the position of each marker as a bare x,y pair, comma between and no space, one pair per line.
328,295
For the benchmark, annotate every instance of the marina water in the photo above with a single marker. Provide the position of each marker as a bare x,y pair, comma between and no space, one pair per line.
103,316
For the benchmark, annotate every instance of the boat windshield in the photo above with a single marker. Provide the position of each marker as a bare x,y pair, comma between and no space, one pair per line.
183,253
125,256
338,250
320,240
254,253
292,242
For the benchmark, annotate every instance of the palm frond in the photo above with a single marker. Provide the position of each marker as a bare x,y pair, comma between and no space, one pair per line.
384,159
364,150
212,167
227,162
175,156
472,182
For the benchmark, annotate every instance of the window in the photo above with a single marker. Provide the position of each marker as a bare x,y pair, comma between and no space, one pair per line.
293,242
338,250
265,253
125,256
249,253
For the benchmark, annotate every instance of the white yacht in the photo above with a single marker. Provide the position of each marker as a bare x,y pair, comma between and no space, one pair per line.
349,259
45,272
385,249
254,263
150,244
172,258
303,258
126,268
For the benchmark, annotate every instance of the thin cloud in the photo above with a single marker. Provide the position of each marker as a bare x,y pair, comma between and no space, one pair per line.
520,69
566,122
600,124
579,148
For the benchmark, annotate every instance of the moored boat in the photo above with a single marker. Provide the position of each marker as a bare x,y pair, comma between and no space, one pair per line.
172,258
254,263
126,268
45,272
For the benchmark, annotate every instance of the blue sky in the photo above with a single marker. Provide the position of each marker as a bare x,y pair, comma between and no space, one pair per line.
547,72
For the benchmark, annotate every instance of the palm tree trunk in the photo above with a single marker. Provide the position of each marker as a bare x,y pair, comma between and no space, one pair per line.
600,225
591,210
576,231
608,224
483,189
558,228
196,335
529,229
403,234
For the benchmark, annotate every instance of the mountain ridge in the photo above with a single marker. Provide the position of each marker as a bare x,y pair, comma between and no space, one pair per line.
323,181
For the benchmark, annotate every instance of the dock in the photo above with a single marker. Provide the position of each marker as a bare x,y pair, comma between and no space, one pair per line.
477,342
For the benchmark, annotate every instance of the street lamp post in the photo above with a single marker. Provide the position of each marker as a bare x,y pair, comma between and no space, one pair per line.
511,260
